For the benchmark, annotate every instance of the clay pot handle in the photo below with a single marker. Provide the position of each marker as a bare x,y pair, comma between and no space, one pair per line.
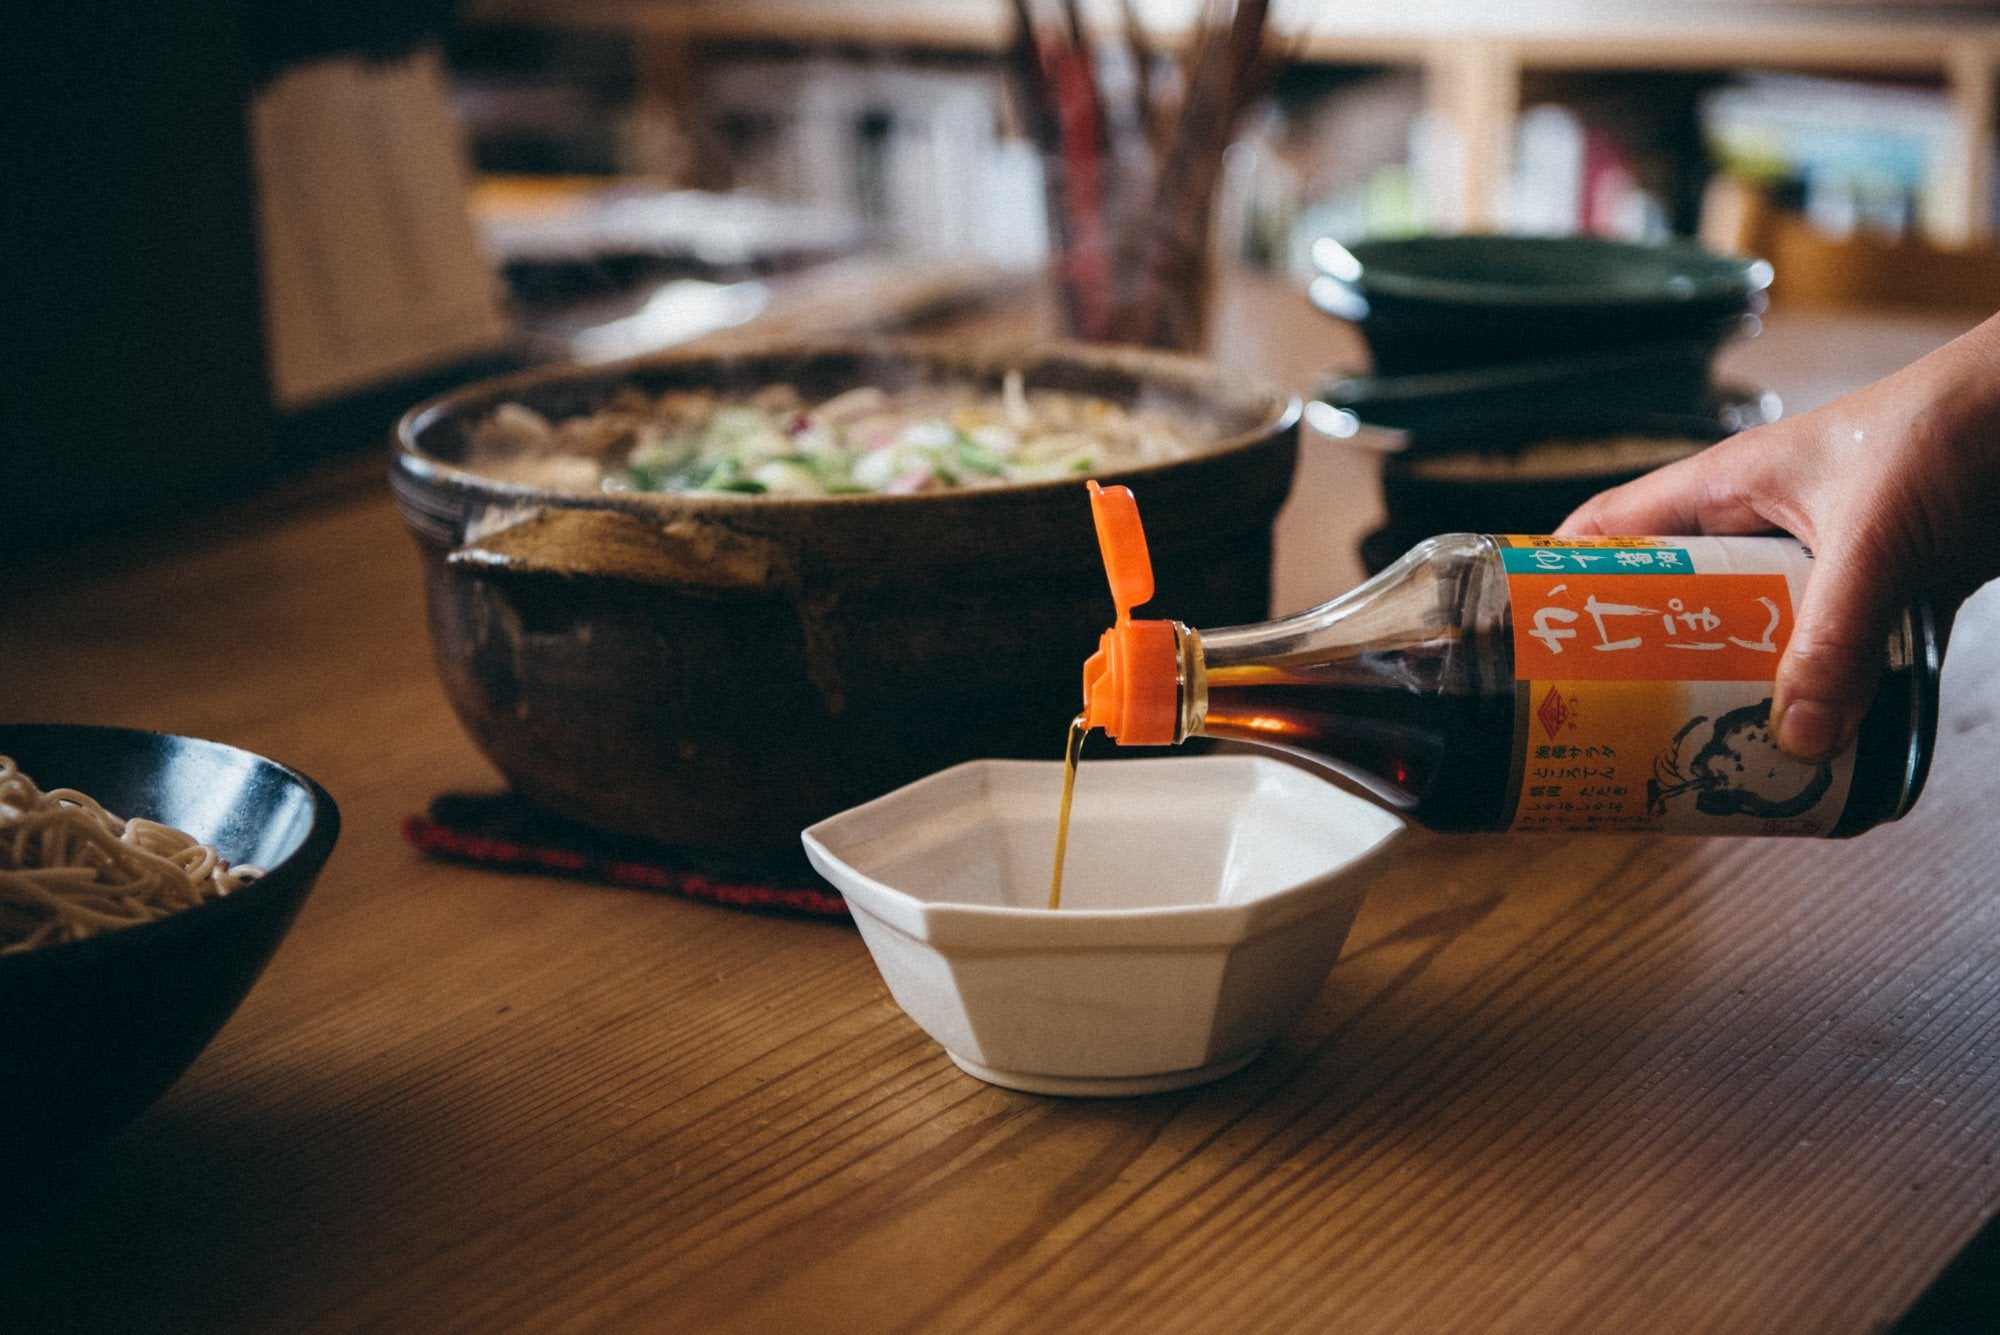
604,544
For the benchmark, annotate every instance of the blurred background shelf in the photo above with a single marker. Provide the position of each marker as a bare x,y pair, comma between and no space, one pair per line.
1853,268
287,223
1479,64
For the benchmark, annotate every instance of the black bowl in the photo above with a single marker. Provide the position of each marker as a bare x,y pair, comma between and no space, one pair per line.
1668,378
1526,477
93,1031
1431,303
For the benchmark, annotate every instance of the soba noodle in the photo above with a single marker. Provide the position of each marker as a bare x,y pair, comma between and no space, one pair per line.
70,869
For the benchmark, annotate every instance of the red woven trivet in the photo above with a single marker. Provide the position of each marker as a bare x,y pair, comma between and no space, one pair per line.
504,831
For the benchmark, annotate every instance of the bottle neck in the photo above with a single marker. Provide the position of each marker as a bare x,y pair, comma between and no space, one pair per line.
1194,683
1383,683
1407,631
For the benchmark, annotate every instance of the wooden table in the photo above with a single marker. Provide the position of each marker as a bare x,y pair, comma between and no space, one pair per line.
1553,1084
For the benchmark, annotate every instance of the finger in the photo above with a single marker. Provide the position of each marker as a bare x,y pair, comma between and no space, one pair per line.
1727,488
1828,675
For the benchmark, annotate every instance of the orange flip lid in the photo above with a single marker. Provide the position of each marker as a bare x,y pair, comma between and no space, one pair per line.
1131,685
1121,538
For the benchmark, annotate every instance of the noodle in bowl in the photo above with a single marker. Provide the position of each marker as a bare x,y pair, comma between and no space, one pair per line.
160,923
70,869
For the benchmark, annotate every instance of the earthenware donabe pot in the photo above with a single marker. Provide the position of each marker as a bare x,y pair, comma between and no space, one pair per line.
720,671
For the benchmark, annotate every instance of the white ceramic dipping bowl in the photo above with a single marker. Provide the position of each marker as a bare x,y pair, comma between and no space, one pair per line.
1204,901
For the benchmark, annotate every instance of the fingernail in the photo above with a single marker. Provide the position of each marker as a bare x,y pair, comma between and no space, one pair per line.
1811,730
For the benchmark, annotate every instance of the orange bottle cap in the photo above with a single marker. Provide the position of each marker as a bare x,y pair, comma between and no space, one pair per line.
1121,538
1131,685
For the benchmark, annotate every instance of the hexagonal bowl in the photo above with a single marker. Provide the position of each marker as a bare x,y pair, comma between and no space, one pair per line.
1205,899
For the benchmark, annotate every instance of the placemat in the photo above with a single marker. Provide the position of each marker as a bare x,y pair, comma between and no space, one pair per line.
506,832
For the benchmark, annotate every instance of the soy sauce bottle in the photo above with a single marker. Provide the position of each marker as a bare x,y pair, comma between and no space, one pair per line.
1487,683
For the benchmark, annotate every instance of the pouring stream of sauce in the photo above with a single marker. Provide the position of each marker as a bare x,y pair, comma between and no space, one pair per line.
1070,753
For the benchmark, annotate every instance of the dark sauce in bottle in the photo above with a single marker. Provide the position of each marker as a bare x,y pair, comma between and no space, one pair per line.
1416,686
1892,751
1448,757
1442,759
1416,704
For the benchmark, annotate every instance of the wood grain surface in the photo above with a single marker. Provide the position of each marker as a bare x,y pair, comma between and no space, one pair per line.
1553,1084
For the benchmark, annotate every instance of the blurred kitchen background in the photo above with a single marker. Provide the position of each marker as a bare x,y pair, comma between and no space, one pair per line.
254,232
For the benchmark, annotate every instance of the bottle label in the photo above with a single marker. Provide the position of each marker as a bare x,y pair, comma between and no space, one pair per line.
1643,671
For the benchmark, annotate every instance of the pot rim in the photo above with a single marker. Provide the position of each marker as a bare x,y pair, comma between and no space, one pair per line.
1282,411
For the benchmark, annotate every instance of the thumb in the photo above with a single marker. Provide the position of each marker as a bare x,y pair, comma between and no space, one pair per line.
1828,676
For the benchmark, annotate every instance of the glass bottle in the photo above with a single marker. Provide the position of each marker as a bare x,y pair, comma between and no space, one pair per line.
1540,684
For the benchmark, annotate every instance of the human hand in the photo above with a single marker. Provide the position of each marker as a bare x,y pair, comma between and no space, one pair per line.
1896,490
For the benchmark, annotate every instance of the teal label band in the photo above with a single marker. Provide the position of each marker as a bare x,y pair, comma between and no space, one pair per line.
1598,560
